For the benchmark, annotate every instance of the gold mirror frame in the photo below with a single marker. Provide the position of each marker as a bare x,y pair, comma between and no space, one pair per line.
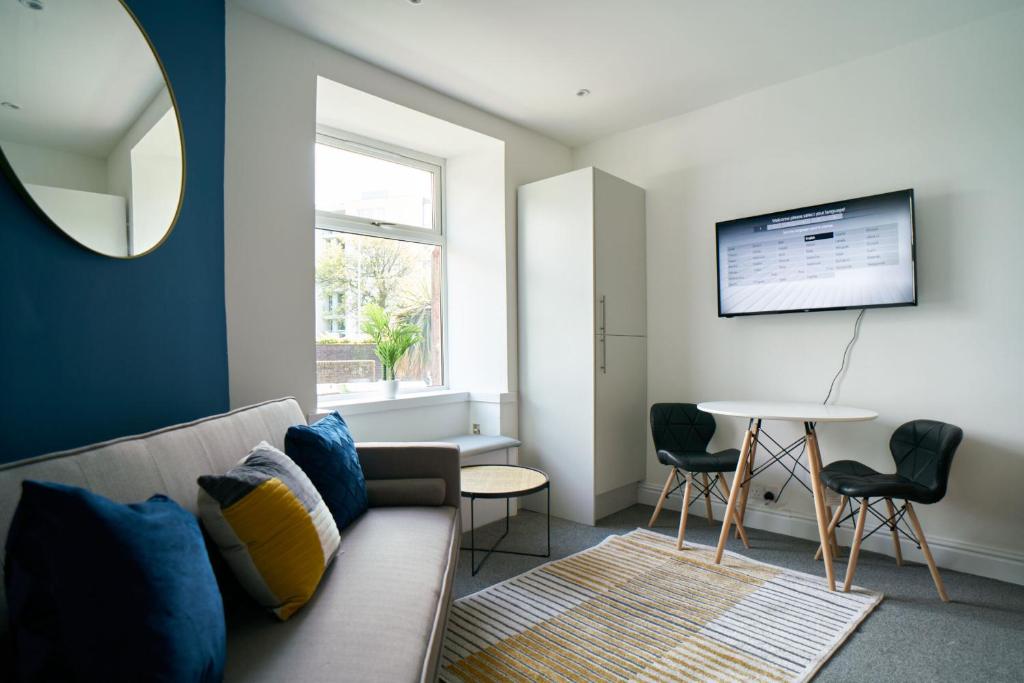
19,185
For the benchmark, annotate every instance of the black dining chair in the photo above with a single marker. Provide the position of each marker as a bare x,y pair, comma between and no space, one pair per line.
681,434
923,451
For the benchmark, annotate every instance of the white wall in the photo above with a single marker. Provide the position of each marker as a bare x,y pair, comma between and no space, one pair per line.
56,167
99,221
944,116
477,263
156,183
270,120
119,161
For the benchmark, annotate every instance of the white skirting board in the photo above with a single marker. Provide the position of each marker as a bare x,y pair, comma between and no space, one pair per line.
949,554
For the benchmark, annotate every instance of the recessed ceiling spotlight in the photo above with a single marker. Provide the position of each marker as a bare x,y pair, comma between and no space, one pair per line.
10,105
415,2
582,92
32,4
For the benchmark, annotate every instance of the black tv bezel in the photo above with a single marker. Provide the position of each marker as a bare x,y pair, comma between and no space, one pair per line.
909,192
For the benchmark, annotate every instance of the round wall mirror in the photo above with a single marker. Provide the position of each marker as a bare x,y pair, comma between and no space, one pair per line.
89,129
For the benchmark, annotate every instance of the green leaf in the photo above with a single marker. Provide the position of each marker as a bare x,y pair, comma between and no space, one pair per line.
391,340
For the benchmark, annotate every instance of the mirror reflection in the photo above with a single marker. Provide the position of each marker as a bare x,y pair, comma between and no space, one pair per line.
88,126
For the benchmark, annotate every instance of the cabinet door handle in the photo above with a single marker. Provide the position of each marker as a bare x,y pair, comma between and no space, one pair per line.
604,354
604,315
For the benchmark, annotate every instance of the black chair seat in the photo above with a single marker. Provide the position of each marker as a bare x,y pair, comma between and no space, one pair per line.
856,480
701,461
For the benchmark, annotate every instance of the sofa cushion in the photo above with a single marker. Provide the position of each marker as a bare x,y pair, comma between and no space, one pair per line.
110,592
423,491
377,614
272,527
327,454
166,461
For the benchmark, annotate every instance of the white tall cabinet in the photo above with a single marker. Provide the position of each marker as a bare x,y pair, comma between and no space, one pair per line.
582,344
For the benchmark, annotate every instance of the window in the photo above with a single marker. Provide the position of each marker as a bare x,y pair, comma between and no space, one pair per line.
379,241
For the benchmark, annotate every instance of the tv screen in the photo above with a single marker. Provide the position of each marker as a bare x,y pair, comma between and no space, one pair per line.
857,253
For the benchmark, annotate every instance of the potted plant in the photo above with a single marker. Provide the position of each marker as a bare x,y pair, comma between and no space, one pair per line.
391,339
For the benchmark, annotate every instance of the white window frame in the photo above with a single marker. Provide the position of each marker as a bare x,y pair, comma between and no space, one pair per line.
329,220
339,222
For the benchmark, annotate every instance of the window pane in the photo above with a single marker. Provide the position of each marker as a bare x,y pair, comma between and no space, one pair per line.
354,272
368,187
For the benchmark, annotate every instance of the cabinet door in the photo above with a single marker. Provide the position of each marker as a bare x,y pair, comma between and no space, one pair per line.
556,332
620,256
620,412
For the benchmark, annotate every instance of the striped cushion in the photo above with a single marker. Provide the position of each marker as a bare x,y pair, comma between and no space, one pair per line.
271,526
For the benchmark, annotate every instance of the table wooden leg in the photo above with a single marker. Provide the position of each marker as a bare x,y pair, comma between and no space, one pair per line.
739,525
741,512
832,525
685,512
707,497
737,484
814,465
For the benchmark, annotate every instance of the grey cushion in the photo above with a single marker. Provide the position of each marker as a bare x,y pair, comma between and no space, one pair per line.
378,614
414,460
386,492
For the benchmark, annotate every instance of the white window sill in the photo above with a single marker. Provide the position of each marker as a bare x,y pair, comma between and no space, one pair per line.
363,405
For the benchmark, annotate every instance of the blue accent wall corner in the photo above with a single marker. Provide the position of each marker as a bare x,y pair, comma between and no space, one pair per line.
92,348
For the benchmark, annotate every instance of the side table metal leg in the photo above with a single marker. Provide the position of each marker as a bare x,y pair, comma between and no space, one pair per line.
549,523
472,535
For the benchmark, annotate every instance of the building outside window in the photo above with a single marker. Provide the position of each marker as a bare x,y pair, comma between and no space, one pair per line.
379,241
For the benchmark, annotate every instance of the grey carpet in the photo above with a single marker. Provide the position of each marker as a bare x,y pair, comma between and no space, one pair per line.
911,636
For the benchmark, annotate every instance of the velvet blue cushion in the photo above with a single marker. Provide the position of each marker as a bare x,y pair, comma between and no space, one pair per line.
327,454
100,591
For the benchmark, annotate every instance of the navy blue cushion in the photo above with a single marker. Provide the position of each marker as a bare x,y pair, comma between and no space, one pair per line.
327,454
100,591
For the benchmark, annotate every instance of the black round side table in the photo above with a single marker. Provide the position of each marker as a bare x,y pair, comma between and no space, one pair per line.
501,481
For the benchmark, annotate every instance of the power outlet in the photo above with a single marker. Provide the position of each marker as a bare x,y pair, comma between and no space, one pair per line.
476,428
763,495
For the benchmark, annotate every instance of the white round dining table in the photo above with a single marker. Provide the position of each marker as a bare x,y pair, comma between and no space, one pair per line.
810,414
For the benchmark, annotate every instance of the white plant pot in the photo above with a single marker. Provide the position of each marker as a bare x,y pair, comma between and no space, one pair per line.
390,388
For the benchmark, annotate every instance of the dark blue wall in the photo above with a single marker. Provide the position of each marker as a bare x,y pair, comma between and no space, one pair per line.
91,347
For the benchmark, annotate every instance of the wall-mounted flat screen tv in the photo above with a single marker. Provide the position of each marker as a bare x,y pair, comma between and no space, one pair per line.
857,253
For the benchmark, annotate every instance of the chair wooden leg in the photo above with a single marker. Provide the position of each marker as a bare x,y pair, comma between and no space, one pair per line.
832,541
927,553
707,498
685,511
855,548
832,526
664,495
895,534
739,525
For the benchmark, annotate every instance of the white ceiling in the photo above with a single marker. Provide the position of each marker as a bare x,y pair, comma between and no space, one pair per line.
80,70
643,60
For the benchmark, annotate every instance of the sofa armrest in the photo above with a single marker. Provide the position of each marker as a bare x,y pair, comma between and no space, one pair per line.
413,461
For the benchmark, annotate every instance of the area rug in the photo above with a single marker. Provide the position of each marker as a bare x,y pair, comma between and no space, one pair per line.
633,608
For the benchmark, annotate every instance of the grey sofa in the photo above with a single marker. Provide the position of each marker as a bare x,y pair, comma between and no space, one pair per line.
380,611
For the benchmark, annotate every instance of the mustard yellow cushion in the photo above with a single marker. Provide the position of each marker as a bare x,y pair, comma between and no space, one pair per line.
271,526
